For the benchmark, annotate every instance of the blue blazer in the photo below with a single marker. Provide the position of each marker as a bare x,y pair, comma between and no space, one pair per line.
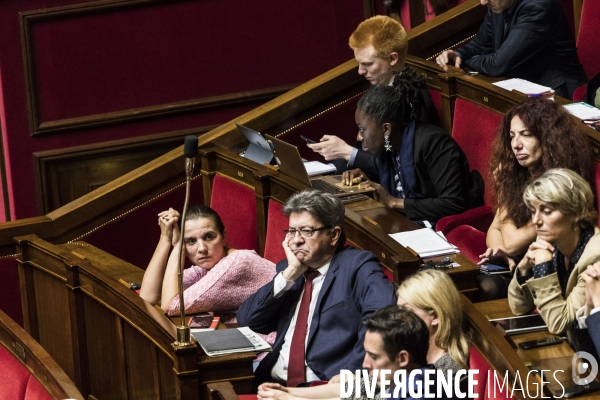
354,287
593,324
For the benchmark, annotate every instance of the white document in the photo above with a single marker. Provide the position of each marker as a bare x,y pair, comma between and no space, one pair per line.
583,111
426,242
523,86
318,168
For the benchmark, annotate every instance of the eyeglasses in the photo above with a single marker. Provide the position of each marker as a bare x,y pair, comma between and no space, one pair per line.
304,232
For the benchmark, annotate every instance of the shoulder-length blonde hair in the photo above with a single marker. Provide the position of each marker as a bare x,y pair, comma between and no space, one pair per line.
566,190
434,292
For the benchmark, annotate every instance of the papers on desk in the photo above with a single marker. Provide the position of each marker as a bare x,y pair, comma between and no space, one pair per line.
318,168
583,111
521,85
228,341
426,242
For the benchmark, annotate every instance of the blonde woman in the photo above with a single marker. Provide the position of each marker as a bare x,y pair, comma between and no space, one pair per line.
549,276
434,298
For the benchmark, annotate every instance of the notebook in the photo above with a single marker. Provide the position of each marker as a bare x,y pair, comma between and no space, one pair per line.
291,164
259,150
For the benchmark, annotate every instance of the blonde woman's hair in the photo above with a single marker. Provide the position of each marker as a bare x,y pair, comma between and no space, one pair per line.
385,34
434,292
567,191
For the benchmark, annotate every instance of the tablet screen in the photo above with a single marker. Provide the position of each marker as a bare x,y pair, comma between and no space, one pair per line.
522,323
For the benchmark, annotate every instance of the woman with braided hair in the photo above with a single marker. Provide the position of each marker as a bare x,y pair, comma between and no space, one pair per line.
422,170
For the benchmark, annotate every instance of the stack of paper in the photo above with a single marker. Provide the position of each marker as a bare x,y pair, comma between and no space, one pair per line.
318,168
583,111
426,242
521,85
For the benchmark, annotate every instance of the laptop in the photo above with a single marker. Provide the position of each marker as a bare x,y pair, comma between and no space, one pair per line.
259,150
291,164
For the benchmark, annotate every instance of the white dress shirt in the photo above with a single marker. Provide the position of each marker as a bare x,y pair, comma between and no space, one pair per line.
281,285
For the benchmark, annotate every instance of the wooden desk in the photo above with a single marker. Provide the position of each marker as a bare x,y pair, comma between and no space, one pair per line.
109,341
555,357
390,221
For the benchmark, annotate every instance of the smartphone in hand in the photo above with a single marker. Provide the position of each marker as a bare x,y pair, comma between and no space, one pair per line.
307,140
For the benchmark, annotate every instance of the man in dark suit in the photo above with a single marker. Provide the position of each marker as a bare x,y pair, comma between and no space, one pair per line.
318,298
527,39
591,310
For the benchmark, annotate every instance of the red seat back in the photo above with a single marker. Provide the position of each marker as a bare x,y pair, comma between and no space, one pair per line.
474,128
485,377
597,181
276,223
236,205
436,99
588,40
16,382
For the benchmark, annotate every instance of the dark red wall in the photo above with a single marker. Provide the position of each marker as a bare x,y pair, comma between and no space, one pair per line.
99,71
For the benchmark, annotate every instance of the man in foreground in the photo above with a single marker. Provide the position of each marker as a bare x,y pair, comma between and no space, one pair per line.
318,298
396,342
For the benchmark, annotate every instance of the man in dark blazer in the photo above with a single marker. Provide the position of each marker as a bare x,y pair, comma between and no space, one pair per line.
349,286
527,39
589,314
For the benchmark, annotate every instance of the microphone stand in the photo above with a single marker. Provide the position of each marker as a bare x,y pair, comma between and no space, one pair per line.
183,330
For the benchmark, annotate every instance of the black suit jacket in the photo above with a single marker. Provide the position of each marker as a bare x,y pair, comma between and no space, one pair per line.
442,174
593,324
354,287
532,40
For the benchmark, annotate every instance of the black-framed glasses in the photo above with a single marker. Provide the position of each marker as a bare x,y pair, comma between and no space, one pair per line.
304,232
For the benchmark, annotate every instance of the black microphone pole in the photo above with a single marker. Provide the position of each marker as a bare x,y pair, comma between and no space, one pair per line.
190,149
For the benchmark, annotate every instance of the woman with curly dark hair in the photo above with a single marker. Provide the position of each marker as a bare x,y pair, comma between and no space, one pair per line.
534,136
422,170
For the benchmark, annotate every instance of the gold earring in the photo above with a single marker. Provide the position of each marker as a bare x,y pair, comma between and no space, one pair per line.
575,226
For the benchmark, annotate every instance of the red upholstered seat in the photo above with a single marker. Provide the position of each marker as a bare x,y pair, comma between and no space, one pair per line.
16,382
276,223
469,240
474,128
436,99
476,361
588,40
597,181
579,93
236,205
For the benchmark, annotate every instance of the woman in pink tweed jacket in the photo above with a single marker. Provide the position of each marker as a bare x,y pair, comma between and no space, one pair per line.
220,279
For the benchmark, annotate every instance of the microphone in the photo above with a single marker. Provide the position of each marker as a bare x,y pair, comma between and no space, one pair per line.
190,149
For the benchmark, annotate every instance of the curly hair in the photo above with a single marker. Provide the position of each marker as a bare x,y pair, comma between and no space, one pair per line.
563,145
397,105
385,34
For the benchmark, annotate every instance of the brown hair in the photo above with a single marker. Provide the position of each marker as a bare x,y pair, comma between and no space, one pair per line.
563,144
385,34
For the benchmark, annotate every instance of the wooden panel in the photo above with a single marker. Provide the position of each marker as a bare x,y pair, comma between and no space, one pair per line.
105,351
142,366
51,294
166,377
66,174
